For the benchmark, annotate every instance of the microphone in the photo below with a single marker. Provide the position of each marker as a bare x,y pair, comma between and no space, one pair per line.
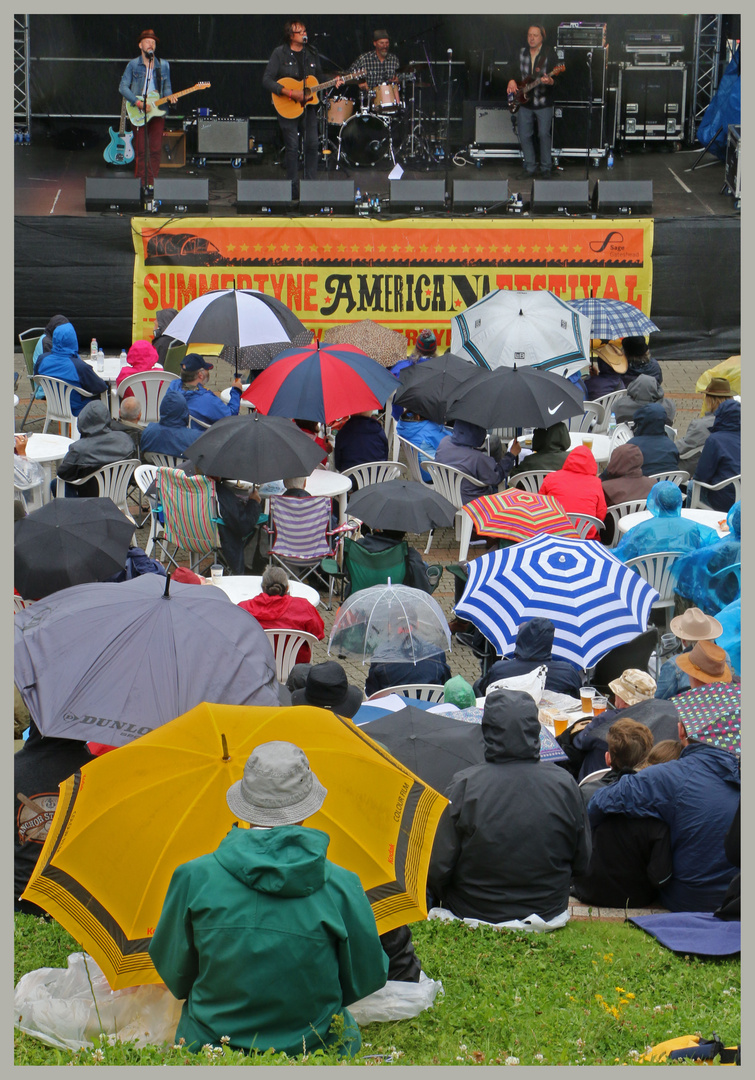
304,38
589,56
450,52
150,54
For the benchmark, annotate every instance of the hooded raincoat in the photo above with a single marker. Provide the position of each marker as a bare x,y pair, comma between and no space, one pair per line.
361,439
549,449
666,530
516,828
576,486
142,356
643,390
63,362
287,612
622,478
460,451
649,433
534,644
172,434
99,445
45,342
162,341
722,455
267,940
699,576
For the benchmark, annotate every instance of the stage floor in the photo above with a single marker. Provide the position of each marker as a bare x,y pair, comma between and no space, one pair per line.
51,181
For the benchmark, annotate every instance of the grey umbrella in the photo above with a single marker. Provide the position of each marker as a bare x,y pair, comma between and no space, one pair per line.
109,662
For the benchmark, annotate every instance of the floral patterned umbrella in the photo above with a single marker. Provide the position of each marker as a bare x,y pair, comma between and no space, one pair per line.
711,714
380,342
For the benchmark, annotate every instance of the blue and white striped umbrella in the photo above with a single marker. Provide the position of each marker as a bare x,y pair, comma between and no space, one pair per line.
593,599
613,318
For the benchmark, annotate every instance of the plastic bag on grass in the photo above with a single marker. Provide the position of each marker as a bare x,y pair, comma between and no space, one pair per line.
396,1001
532,923
55,1005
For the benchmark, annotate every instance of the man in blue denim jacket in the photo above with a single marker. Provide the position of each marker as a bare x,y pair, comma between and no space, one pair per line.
144,74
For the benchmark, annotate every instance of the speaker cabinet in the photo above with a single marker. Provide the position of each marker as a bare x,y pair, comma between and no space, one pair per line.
263,196
572,124
173,153
488,124
581,61
115,194
218,136
182,196
326,196
417,196
560,196
612,197
480,196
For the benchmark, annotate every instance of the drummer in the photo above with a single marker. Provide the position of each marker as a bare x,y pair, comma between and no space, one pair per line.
381,66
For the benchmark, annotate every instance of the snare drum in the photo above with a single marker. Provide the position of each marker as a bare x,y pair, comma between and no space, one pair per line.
339,110
386,100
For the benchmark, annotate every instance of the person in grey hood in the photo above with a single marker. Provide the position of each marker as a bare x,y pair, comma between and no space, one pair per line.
516,828
534,643
644,390
160,339
99,445
461,451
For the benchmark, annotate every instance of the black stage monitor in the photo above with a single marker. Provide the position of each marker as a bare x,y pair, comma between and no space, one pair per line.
181,195
480,196
263,196
117,194
326,196
619,197
417,196
560,197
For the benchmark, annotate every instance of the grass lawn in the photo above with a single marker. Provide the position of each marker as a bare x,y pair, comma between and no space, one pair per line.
593,993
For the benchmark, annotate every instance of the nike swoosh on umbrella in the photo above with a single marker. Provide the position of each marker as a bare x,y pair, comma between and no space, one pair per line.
519,396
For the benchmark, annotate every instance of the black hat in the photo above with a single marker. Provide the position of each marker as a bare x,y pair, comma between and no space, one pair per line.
378,35
327,687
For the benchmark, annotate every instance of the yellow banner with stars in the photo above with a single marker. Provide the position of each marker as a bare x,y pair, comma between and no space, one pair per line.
407,274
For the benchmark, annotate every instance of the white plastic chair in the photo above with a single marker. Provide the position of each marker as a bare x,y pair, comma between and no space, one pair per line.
411,453
149,388
656,569
374,472
608,403
163,461
620,510
144,476
19,603
286,645
673,476
530,480
58,395
195,422
112,480
622,433
584,522
447,482
590,420
697,488
417,691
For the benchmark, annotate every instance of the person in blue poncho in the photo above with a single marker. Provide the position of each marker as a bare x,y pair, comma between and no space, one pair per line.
666,530
702,578
730,640
425,434
63,362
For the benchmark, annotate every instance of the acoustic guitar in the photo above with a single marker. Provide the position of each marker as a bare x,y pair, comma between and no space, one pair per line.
525,88
291,109
119,150
136,116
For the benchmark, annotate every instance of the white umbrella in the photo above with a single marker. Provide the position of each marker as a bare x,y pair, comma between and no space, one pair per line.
507,328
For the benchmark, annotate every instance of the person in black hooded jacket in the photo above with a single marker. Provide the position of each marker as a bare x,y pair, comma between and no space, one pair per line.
534,645
99,445
160,339
516,828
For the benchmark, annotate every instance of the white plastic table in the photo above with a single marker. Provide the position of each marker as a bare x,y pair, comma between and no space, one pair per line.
333,484
712,518
244,587
601,444
45,449
113,365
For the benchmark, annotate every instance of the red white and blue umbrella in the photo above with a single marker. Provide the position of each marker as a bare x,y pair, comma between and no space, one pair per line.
593,600
613,318
321,382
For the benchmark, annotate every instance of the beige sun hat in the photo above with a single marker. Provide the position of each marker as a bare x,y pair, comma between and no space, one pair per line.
633,686
695,625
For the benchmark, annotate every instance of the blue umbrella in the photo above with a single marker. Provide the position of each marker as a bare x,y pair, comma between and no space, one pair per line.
593,600
613,318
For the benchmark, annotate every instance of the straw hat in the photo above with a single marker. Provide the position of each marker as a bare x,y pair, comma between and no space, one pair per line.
706,662
695,625
614,357
633,686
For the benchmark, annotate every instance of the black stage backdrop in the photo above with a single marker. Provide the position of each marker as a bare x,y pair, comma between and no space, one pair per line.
86,264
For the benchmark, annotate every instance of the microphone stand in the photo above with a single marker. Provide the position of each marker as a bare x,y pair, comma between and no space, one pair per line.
448,112
589,114
145,140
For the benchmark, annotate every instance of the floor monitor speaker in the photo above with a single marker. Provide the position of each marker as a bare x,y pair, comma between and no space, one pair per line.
613,197
181,195
560,196
480,196
326,196
263,196
117,194
417,196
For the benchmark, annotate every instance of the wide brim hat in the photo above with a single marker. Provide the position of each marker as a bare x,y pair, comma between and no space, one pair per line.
705,662
278,787
718,387
148,34
327,687
378,35
633,686
614,357
695,625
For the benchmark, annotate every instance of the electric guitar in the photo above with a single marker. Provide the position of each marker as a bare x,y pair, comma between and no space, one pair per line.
119,150
291,109
525,88
136,116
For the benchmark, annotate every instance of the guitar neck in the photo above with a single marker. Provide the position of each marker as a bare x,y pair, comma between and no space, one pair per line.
332,82
162,100
122,128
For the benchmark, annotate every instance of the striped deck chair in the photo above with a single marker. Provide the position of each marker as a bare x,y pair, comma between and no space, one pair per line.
301,535
190,508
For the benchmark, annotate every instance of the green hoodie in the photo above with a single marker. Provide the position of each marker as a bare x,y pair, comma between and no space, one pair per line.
549,449
267,939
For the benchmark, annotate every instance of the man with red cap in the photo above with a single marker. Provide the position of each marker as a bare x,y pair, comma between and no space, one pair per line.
144,74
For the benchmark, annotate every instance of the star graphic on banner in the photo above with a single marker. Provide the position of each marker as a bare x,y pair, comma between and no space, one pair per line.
258,248
428,292
313,251
341,248
230,247
506,249
244,247
438,249
452,248
355,249
328,299
521,249
479,249
396,249
327,249
564,248
284,249
423,249
299,249
382,249
457,303
549,249
535,249
465,249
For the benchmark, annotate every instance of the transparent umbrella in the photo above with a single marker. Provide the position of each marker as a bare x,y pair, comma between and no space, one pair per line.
390,624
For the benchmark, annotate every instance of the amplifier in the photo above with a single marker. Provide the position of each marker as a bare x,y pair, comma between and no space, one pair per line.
263,196
481,196
489,124
223,136
613,197
182,195
652,39
581,33
326,196
173,151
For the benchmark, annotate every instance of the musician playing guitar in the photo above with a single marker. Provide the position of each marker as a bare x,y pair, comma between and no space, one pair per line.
536,112
296,60
144,74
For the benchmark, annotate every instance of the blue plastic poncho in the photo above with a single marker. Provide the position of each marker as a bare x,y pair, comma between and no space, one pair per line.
730,641
666,530
701,576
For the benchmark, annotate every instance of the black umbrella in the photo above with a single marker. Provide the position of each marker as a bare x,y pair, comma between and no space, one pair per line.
401,504
255,448
427,387
516,397
253,326
433,746
69,542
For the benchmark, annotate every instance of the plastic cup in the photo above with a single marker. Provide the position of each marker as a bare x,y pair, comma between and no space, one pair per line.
216,573
560,724
586,695
599,705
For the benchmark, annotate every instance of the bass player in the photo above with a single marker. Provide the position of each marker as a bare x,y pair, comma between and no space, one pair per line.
536,113
144,74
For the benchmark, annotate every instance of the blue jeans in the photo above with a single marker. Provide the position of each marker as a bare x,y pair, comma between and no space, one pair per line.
527,120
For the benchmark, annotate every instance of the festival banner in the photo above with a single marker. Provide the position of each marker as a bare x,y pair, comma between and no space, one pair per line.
407,274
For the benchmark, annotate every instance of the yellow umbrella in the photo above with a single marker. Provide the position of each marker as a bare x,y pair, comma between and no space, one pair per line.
127,820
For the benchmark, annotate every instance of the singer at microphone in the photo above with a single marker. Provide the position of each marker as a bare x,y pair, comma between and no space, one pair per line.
145,80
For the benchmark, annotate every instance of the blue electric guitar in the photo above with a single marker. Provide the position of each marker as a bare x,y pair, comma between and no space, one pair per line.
119,150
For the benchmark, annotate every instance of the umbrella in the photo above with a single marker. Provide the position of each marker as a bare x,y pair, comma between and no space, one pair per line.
613,318
519,515
69,542
428,387
240,317
127,820
523,328
255,448
518,396
711,714
111,662
321,382
381,343
390,623
550,749
593,600
405,505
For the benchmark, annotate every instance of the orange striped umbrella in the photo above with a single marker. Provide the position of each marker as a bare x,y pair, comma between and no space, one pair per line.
519,515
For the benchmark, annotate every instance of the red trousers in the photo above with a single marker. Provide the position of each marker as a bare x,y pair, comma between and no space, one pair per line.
154,130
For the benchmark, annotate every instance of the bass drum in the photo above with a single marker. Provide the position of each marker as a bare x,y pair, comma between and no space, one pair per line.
364,139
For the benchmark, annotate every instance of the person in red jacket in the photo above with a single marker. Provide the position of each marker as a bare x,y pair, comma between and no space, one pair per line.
275,609
577,487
